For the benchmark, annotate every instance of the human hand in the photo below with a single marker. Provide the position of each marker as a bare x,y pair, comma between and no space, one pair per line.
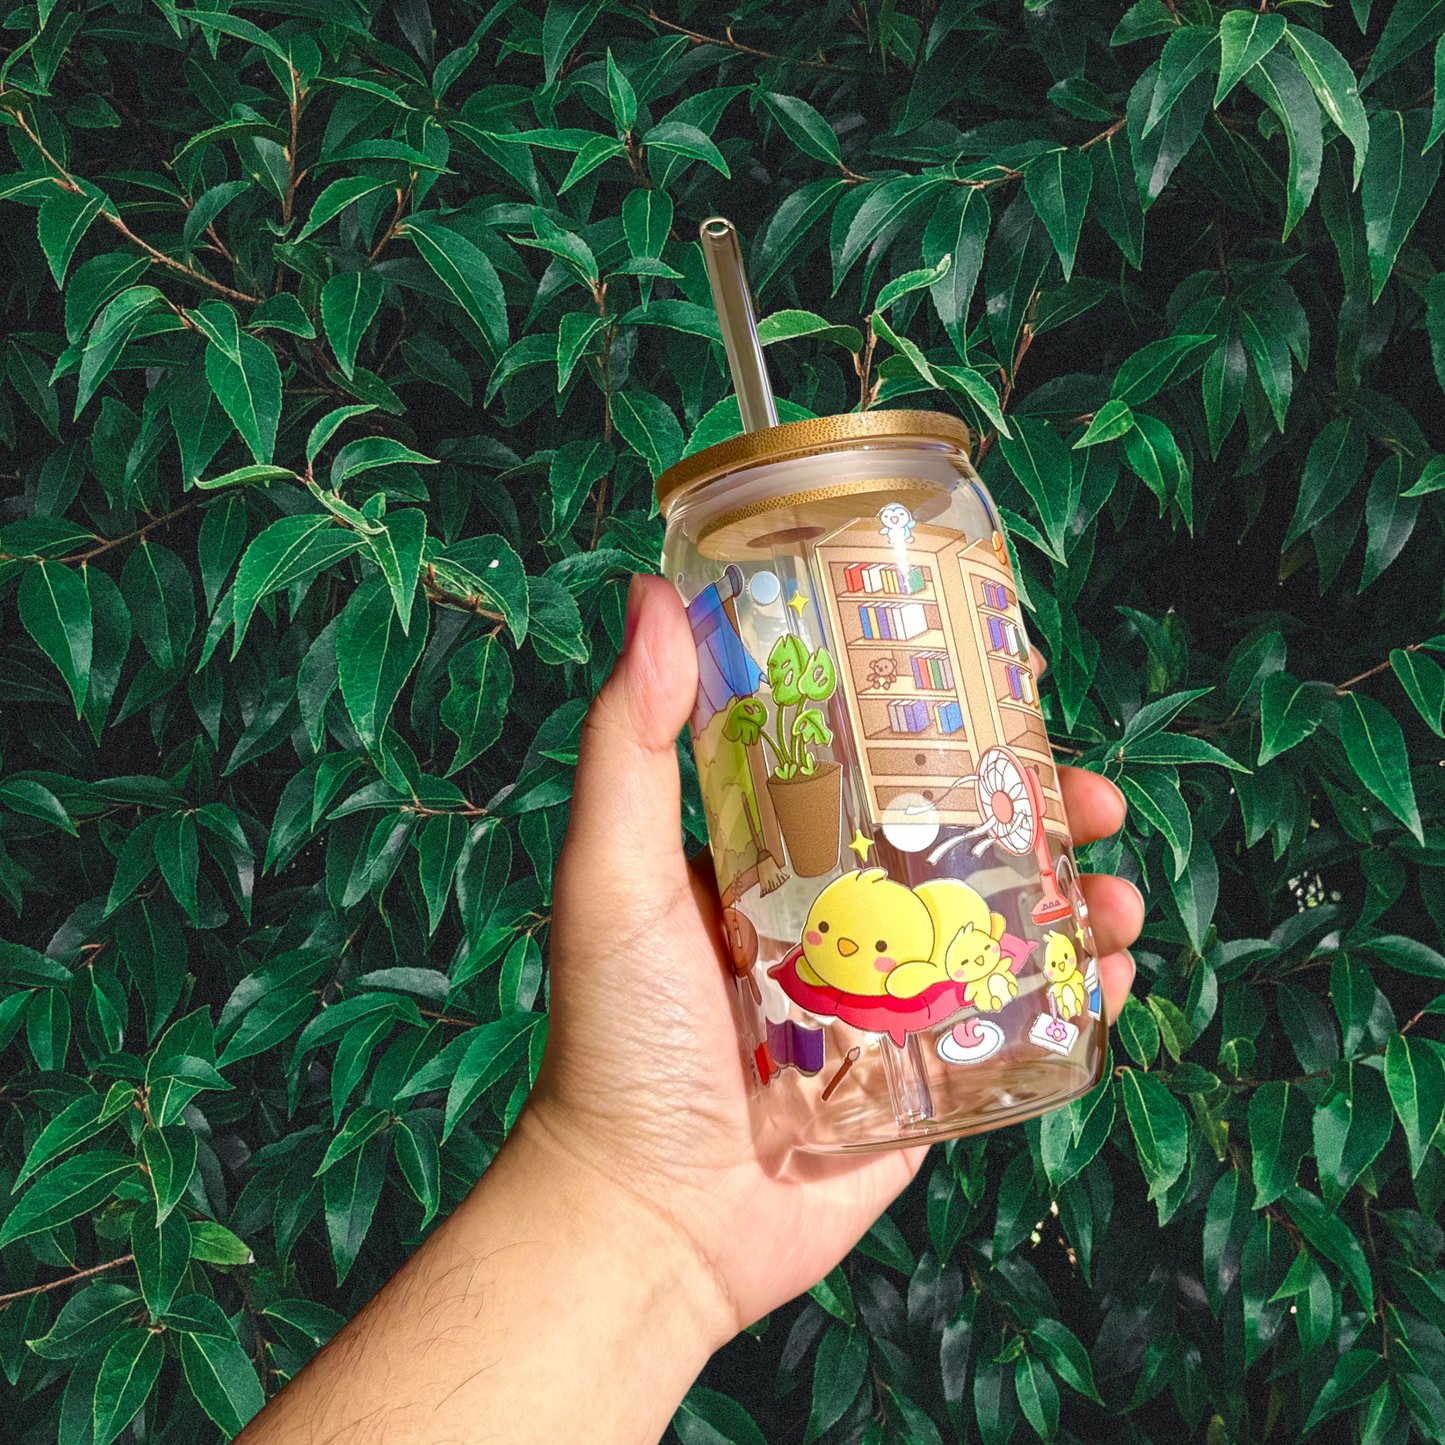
644,1087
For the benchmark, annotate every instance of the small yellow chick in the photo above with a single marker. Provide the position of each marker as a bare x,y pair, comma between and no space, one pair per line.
1061,968
965,948
860,929
921,936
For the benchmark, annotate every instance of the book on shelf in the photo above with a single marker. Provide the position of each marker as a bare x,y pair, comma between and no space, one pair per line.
948,716
883,577
892,621
908,715
932,671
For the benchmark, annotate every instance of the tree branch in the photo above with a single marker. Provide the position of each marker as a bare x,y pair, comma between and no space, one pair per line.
5,1299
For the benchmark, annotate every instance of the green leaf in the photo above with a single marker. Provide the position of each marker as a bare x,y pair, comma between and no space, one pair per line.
836,1296
418,1159
1037,456
803,126
1289,712
248,386
337,197
1353,1125
215,1244
1038,1396
1334,85
1278,81
686,140
465,271
177,851
127,1374
1375,746
1245,38
620,96
159,593
363,1123
1154,457
1157,153
220,1375
80,1120
1058,185
838,1373
1190,53
1107,424
287,552
1415,1077
490,1052
35,800
1335,463
1279,1136
374,657
1060,1347
1424,684
1398,180
486,567
1411,25
170,1155
1159,364
55,608
1160,1130
649,427
72,1188
65,217
1389,518
349,303
1354,1378
958,227
706,1417
162,1249
1154,794
89,1317
476,703
1021,250
1116,198
397,549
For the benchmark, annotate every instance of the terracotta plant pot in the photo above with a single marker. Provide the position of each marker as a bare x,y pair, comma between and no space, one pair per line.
810,811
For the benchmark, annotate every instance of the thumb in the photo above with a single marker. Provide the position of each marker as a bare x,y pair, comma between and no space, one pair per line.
627,797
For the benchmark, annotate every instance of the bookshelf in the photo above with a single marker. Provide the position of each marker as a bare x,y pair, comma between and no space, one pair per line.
942,684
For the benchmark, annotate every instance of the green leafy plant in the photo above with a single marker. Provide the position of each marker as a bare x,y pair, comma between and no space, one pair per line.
796,678
342,345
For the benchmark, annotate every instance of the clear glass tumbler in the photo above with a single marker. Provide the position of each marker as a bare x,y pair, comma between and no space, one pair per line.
900,898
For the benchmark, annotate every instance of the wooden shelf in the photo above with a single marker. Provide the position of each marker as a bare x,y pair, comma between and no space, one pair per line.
933,640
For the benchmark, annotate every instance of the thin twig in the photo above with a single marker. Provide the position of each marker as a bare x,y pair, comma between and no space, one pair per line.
1104,134
1344,687
698,38
68,1279
68,183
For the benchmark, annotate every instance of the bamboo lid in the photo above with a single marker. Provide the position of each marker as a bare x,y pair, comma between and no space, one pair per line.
809,437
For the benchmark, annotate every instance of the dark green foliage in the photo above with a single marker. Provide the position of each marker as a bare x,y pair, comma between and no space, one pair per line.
342,347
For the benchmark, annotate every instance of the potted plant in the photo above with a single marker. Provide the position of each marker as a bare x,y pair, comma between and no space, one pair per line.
806,794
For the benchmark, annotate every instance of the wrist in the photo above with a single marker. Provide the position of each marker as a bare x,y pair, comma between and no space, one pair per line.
672,1289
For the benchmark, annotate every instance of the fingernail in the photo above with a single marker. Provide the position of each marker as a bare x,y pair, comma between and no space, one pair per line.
1134,967
634,606
1118,793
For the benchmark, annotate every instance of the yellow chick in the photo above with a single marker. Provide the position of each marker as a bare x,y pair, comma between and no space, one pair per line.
861,928
920,936
1061,968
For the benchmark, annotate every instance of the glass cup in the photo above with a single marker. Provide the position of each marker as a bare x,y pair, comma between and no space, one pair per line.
901,903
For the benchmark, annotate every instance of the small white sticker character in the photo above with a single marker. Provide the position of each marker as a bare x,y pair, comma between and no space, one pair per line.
897,524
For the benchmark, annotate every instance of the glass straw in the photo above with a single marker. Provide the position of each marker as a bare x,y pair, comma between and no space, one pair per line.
738,320
904,1068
